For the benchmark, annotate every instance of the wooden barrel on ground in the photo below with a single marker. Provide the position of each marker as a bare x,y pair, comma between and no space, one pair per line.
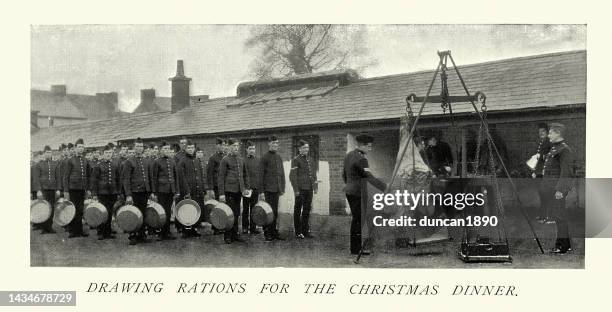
155,216
40,211
129,218
262,214
95,214
64,212
187,212
222,217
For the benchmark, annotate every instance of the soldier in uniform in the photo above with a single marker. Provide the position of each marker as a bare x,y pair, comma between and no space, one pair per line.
106,187
212,171
542,151
136,185
273,176
164,183
304,182
76,187
439,156
47,185
180,153
356,168
556,183
233,182
253,168
191,184
212,168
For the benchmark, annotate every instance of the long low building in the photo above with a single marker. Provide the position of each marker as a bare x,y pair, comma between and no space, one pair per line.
328,109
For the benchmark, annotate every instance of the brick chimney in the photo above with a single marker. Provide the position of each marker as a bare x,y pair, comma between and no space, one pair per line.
147,97
58,90
110,99
180,88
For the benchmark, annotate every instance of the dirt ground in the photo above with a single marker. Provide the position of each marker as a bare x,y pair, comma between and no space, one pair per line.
329,248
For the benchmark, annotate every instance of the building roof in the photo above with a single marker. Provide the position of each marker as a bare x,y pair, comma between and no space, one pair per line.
47,104
74,106
539,81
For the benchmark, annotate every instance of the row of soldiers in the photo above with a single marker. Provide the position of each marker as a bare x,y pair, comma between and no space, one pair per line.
169,173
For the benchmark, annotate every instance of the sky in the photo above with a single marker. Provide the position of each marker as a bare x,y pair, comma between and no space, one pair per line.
128,58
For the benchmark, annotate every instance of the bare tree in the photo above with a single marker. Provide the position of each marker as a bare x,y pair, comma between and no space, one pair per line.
285,50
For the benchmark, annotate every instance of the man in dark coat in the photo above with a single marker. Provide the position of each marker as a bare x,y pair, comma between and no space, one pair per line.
136,185
164,183
439,157
543,149
253,167
191,184
233,182
47,185
303,179
76,187
273,175
212,171
106,187
356,168
557,182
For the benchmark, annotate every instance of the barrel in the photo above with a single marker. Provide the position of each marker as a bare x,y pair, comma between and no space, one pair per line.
262,214
222,217
40,211
187,212
129,218
95,214
64,212
155,216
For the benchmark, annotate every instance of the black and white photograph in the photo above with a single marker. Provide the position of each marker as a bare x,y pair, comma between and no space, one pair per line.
308,146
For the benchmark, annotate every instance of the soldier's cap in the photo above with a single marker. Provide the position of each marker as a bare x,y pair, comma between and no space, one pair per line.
232,141
220,141
70,145
108,147
63,146
79,141
364,139
47,148
272,138
302,143
557,127
250,143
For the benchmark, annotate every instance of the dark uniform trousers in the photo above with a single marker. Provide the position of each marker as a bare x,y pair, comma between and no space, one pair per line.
77,197
355,205
165,200
556,209
543,211
301,212
140,201
248,203
108,200
272,199
49,196
233,200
